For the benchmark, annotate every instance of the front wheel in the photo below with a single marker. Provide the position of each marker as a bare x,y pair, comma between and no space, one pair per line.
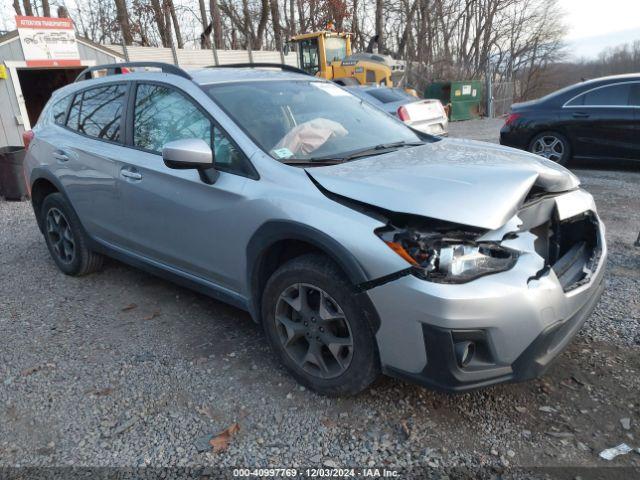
313,321
551,145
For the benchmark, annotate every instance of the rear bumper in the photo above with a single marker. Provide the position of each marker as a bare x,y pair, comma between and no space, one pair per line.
436,127
515,139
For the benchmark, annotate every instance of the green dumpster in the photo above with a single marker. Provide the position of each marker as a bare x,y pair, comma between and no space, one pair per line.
464,97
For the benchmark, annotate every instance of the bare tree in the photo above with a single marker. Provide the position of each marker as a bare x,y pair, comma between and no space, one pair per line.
46,9
262,24
123,22
169,5
28,9
205,37
380,24
216,21
16,7
275,19
159,15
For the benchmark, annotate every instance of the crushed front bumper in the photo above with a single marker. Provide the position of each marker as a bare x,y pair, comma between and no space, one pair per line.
518,320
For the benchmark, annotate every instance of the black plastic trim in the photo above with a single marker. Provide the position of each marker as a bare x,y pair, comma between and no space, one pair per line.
116,69
201,285
278,230
282,66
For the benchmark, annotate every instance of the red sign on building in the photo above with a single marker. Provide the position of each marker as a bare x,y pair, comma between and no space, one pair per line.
48,42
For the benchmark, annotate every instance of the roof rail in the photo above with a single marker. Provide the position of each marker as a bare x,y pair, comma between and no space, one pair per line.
282,66
115,68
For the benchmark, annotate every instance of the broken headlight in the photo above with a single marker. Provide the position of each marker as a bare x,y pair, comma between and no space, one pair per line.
447,257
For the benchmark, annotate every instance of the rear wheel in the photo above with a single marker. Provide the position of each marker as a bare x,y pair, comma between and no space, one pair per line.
551,145
67,242
313,321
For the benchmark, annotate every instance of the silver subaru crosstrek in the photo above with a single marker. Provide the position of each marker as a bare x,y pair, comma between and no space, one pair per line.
360,245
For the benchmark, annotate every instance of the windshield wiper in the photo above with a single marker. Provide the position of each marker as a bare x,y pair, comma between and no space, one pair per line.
311,161
378,150
367,152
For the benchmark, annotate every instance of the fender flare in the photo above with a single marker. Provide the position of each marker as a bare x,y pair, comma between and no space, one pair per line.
40,173
277,230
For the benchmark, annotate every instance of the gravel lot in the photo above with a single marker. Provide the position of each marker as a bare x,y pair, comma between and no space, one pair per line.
124,369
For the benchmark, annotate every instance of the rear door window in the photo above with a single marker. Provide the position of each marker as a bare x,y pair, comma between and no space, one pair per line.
610,96
634,99
97,112
162,114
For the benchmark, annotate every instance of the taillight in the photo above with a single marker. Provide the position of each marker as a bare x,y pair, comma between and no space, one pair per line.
403,114
27,137
511,119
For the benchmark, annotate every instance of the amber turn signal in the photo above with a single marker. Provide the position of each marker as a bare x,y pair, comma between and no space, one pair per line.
399,249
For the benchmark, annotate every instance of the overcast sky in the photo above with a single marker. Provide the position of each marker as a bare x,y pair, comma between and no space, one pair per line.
597,24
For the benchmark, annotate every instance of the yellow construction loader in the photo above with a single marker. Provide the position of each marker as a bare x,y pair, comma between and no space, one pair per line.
327,54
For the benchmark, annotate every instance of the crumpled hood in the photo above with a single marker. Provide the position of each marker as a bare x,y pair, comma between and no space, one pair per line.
462,181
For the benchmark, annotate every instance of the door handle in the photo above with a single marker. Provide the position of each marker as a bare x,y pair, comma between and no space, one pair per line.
60,156
130,174
580,115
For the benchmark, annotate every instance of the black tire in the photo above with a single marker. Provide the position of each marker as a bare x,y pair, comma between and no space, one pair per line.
315,272
559,153
69,249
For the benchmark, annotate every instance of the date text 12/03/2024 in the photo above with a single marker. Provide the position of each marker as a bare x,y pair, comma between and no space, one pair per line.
317,472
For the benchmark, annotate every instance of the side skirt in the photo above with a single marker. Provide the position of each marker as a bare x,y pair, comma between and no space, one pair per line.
174,275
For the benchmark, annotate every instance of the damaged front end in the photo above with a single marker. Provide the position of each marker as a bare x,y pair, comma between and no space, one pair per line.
572,248
443,252
554,232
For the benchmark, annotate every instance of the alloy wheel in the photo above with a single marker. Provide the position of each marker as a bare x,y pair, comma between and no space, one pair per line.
549,146
60,235
314,331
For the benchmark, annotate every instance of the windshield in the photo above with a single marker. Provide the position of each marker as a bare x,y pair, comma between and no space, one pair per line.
335,48
307,119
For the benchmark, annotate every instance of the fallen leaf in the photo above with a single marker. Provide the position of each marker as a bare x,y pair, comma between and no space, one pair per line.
131,306
206,411
327,422
103,392
30,371
405,428
152,315
221,441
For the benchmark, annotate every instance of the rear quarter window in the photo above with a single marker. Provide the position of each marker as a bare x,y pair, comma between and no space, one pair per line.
97,112
59,110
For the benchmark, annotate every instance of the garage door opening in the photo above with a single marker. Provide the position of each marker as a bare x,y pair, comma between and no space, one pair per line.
37,85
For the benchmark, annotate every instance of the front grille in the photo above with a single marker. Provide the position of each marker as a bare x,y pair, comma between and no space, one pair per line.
571,248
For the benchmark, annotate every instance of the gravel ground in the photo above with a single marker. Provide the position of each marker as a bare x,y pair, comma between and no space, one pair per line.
124,369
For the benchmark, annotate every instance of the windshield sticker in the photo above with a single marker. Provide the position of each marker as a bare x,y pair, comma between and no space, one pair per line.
283,153
331,89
